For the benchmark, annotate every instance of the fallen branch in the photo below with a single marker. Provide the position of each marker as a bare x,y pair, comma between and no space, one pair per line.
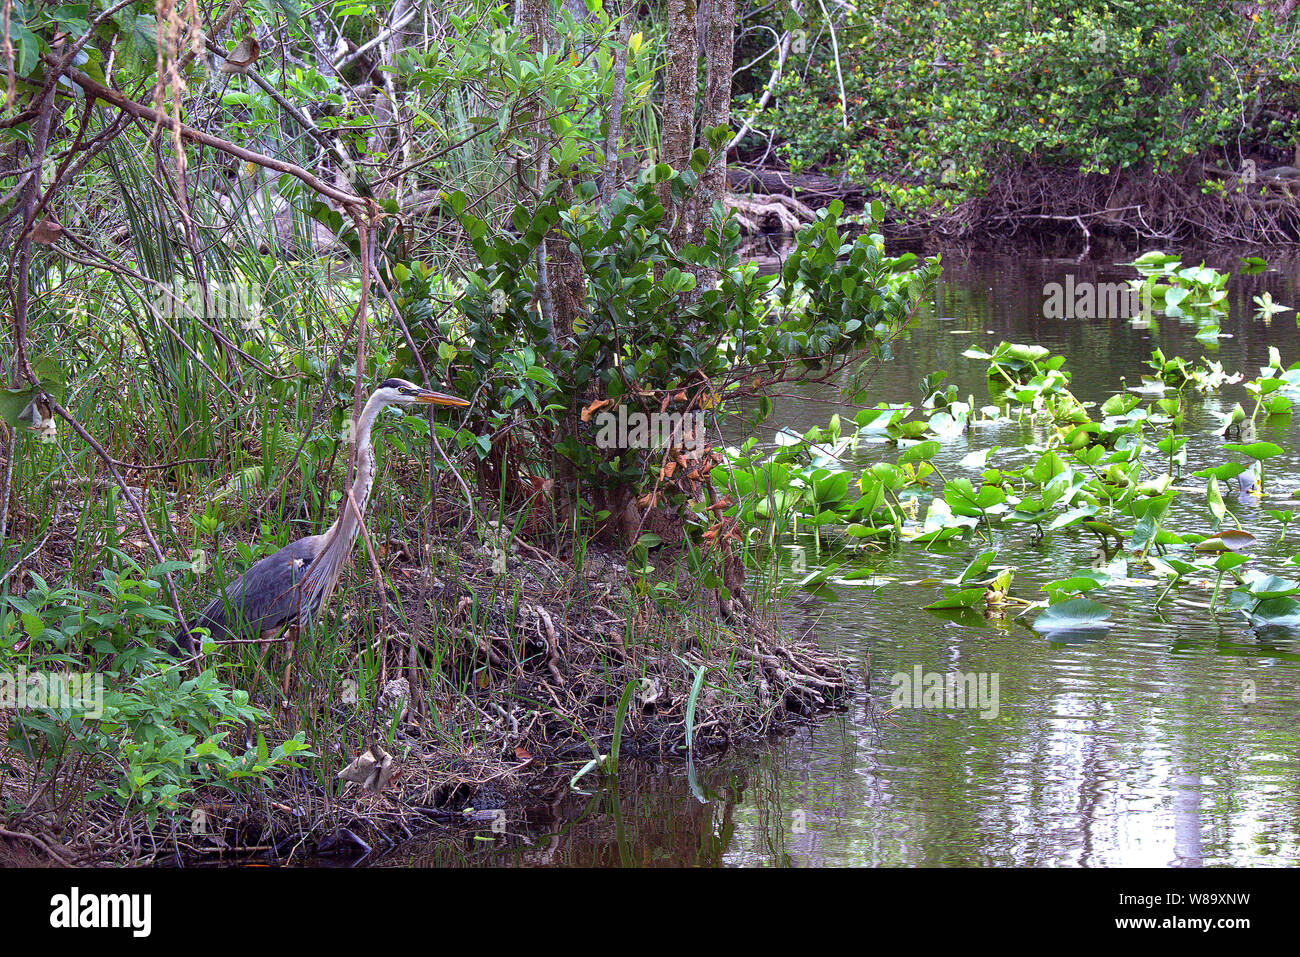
759,216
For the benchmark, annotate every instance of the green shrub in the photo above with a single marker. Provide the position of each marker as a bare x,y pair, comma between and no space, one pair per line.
155,736
647,334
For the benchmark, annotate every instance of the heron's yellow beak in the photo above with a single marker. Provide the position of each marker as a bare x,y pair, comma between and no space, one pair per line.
429,397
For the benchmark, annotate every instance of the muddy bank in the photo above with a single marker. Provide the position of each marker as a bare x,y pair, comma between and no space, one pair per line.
1206,203
491,684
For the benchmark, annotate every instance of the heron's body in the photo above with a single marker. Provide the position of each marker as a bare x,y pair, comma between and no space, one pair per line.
286,589
265,597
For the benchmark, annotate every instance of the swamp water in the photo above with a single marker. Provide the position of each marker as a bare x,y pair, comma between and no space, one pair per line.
1171,737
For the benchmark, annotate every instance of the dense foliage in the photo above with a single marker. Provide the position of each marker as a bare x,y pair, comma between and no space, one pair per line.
644,339
941,95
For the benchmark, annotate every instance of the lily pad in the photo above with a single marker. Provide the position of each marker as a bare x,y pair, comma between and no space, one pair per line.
1256,450
965,598
1227,540
1071,614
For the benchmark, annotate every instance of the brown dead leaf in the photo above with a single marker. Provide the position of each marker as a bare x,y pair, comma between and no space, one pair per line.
47,231
371,771
593,408
243,58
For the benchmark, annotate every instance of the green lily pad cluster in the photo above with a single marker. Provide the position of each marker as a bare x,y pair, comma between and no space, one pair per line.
1178,374
1111,470
975,587
1030,376
1198,293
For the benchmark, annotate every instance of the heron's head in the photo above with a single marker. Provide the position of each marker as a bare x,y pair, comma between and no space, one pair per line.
405,394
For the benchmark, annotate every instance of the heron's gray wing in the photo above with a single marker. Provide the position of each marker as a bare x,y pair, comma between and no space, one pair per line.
264,597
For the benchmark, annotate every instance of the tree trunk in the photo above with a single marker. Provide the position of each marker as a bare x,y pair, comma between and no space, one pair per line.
719,54
388,121
813,189
559,270
680,80
614,118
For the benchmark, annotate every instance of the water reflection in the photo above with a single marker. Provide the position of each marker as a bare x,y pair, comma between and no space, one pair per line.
649,818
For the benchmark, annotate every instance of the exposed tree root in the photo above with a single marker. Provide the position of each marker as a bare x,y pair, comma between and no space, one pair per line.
1202,205
773,213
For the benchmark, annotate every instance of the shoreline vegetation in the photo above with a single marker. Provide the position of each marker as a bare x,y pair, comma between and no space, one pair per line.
1154,121
1133,206
215,273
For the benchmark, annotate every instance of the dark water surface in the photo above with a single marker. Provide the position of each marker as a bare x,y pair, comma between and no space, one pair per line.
1168,739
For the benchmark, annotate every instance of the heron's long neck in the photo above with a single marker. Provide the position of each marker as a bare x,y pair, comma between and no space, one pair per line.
347,524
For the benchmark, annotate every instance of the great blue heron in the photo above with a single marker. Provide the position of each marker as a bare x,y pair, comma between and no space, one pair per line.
283,591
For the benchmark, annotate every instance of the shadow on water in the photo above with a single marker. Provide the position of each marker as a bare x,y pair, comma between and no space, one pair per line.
1167,738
